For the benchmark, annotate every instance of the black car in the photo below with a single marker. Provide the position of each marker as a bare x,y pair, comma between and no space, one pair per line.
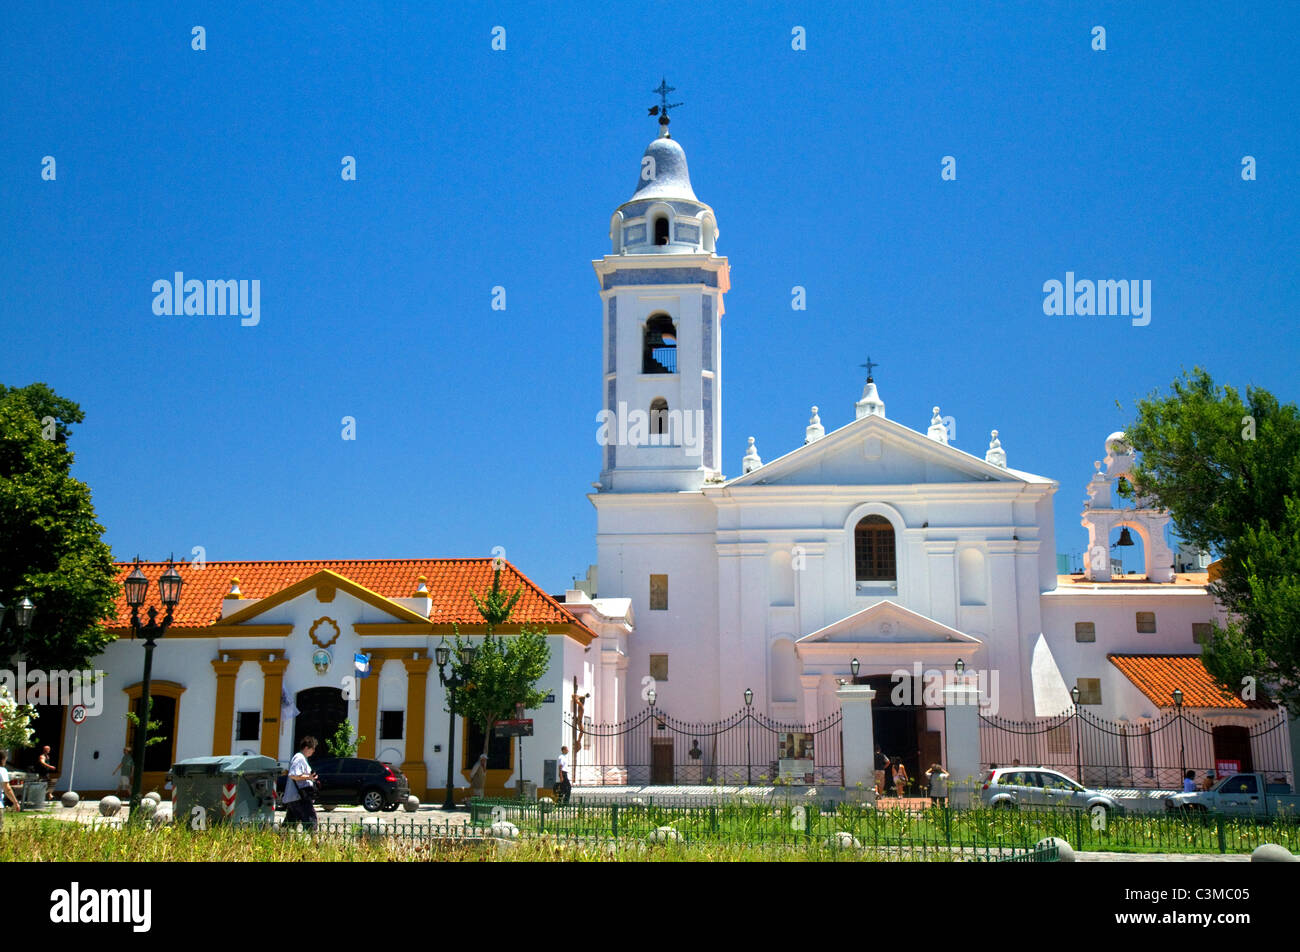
355,781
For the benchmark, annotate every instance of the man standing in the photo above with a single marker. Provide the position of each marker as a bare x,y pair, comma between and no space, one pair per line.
125,768
882,771
300,787
563,784
478,778
45,771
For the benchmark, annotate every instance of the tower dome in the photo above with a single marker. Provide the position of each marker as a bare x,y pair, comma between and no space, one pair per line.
663,172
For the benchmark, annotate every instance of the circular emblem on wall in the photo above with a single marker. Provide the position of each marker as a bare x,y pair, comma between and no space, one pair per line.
323,620
321,659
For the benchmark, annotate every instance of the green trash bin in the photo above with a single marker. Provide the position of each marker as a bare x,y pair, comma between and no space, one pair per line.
237,788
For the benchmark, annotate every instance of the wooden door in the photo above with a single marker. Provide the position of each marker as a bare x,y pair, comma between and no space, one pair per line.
661,764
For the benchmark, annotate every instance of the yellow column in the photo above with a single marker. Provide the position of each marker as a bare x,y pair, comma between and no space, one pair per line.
272,682
368,711
223,719
417,686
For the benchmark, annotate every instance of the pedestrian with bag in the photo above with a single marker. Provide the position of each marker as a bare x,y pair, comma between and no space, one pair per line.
300,788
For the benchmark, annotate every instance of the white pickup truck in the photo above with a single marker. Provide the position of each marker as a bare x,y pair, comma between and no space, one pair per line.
1240,794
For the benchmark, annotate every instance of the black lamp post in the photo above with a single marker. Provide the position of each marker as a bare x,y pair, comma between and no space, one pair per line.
749,753
960,667
1182,751
450,684
169,593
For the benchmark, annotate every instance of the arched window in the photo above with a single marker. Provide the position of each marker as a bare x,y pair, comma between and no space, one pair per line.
709,233
873,550
658,417
661,230
659,355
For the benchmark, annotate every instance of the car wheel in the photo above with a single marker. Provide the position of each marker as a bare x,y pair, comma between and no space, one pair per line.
373,800
1004,805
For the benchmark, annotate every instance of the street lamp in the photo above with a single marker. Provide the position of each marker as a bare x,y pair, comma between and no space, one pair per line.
169,593
1074,694
749,754
1182,750
960,666
854,665
450,683
22,614
650,696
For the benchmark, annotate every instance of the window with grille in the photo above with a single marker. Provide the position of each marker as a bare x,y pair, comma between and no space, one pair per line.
659,346
247,725
659,593
1146,623
1085,631
873,550
1201,632
1089,690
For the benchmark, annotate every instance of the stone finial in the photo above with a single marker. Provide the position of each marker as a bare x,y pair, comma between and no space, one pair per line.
234,589
870,404
996,455
938,430
751,461
815,430
422,587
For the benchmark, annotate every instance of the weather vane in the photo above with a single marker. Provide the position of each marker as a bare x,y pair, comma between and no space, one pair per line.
869,364
662,109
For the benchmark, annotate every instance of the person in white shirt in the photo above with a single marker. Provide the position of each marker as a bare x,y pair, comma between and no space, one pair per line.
6,790
299,808
563,782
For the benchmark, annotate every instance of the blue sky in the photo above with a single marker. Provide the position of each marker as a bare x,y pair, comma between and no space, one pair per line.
477,168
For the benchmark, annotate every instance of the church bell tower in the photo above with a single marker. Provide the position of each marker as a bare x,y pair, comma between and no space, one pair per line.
661,289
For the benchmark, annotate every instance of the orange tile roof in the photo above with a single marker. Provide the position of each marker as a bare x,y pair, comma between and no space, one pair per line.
1156,676
450,582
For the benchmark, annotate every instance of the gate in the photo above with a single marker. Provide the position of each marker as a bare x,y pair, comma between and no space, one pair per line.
1154,754
747,747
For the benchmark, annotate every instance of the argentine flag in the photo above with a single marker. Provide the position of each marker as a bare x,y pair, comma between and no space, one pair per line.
362,661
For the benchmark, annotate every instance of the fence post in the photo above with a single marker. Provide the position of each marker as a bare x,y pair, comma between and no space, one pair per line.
962,739
1078,827
859,741
1223,843
613,815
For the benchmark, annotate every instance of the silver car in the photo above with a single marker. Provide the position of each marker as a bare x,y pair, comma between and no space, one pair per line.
1011,787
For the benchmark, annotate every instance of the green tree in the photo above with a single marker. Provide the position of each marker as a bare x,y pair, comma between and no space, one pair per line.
342,744
51,547
505,670
1228,471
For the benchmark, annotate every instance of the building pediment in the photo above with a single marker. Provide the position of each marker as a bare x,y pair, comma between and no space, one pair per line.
887,623
322,586
875,451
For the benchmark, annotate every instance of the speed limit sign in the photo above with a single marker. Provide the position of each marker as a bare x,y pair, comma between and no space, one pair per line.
78,713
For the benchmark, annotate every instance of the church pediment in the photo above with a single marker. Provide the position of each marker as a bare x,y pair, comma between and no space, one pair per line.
875,451
887,623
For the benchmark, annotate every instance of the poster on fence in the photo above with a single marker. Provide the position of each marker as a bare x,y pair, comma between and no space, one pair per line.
795,757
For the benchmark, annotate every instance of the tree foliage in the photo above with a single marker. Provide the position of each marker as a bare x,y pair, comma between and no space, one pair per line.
1228,471
342,744
51,547
505,670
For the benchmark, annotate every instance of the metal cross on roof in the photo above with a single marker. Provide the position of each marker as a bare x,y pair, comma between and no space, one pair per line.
663,91
869,364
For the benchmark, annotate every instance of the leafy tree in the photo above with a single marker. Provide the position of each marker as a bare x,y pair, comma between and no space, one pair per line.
1228,471
15,721
505,670
153,735
340,745
51,549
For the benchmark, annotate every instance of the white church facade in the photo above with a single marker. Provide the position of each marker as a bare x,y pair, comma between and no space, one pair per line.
860,555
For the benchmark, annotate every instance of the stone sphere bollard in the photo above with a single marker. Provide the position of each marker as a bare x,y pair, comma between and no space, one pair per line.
505,830
1273,853
1064,850
664,834
70,799
109,806
844,841
152,795
147,808
411,804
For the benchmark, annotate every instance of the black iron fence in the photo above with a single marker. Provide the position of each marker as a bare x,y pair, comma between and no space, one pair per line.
1152,754
745,748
